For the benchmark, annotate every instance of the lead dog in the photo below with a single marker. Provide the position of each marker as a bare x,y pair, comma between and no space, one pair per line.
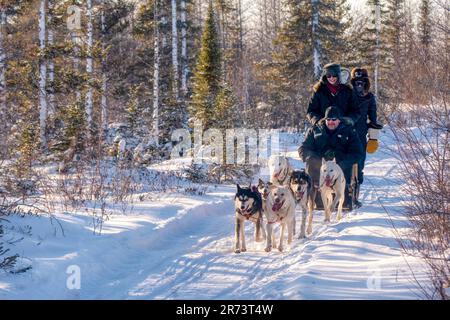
301,186
248,206
280,208
332,181
263,189
280,170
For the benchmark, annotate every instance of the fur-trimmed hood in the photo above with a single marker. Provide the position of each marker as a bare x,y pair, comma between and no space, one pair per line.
360,74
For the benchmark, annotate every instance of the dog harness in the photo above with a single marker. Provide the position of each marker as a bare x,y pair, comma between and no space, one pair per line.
248,213
284,178
279,219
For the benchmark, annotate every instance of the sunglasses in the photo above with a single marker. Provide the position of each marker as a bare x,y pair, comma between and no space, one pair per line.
331,76
331,119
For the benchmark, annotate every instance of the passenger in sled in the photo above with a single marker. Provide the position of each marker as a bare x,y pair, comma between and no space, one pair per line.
332,90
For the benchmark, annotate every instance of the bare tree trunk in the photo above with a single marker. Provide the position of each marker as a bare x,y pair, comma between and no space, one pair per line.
315,40
42,77
51,64
104,101
2,64
377,47
184,60
156,78
89,65
175,49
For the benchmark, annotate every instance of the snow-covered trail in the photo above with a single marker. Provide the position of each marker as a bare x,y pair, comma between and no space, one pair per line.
180,247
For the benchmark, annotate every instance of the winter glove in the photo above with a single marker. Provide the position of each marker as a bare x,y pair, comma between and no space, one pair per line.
348,121
372,146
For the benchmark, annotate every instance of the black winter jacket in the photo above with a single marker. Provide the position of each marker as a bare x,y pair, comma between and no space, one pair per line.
343,141
322,99
367,106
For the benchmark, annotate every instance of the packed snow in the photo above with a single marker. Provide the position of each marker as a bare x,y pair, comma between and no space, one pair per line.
180,246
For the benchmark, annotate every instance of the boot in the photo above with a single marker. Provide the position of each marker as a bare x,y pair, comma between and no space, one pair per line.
357,203
348,201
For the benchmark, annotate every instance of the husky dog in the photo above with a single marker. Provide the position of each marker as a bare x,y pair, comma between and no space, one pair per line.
280,208
301,186
280,170
332,181
248,206
263,189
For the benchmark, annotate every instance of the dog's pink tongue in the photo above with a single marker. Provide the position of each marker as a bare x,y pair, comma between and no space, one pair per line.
277,206
328,181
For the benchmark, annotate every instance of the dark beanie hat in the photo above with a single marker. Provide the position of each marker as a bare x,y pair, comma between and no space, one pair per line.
333,112
332,68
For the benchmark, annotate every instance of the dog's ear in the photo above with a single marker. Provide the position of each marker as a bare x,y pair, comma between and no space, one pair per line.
334,160
238,187
323,161
260,182
269,184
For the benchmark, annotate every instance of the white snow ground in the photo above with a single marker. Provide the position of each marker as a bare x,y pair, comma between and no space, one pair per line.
180,247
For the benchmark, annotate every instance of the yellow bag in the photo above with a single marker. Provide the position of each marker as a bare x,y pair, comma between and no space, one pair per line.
372,146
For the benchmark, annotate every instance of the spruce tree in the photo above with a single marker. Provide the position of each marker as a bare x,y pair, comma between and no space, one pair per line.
208,74
425,26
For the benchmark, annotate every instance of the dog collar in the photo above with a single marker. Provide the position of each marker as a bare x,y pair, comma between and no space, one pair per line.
248,213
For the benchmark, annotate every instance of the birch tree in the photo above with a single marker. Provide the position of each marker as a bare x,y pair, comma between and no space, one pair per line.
89,65
184,58
104,101
156,77
51,64
377,44
174,48
2,62
42,75
317,54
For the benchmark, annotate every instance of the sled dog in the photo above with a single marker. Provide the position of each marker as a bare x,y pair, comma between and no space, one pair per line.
248,206
280,170
301,186
280,208
332,181
263,189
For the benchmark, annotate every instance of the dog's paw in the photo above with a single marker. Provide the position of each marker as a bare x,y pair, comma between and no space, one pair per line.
268,249
339,217
243,249
309,230
302,236
237,251
280,248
